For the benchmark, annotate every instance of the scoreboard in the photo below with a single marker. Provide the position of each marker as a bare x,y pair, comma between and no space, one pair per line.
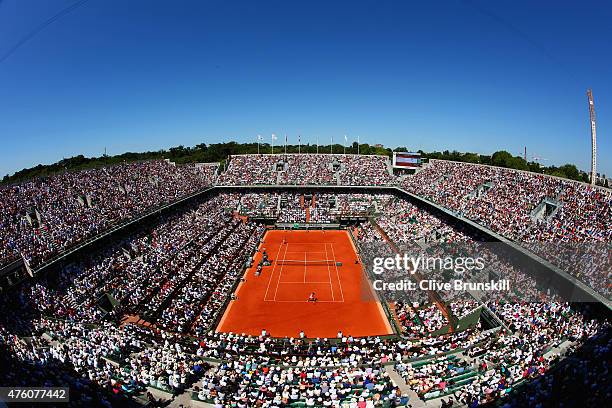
406,160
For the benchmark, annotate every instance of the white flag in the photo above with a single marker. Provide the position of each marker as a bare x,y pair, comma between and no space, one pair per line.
259,137
345,139
274,136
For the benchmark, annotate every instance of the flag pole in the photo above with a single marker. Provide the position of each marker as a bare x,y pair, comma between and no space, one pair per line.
331,146
272,143
357,144
345,141
317,144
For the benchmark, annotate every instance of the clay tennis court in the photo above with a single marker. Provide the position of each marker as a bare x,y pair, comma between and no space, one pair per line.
304,262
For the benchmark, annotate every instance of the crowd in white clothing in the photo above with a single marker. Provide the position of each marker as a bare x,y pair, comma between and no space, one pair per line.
179,273
248,381
313,169
359,170
506,201
259,205
308,169
42,217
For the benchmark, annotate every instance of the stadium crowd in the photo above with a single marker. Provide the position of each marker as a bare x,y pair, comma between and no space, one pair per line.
40,218
540,212
141,313
259,205
248,381
307,169
356,170
316,169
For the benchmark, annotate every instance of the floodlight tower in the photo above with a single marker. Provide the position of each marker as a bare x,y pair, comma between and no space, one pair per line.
593,137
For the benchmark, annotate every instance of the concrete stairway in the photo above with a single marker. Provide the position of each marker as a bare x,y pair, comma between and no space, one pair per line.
414,399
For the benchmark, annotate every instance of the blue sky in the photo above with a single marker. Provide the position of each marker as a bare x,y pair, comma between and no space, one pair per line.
470,75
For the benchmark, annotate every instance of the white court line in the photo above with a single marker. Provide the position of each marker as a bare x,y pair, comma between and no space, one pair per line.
280,274
331,286
272,274
307,243
282,283
304,266
337,273
310,252
304,301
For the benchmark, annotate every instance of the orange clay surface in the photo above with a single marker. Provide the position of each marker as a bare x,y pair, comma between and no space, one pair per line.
277,300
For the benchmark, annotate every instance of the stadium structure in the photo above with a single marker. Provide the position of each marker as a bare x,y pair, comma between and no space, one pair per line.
251,284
